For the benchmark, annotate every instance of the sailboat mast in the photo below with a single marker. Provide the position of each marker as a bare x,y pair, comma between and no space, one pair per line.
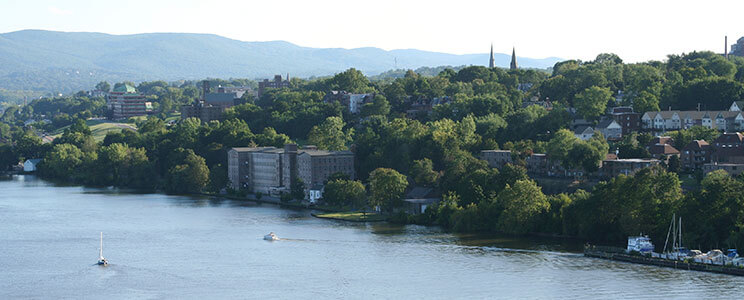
101,249
674,233
680,232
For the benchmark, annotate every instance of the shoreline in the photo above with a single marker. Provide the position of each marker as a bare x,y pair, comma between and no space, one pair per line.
660,262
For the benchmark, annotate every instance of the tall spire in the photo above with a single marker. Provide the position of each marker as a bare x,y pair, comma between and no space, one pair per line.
491,62
513,65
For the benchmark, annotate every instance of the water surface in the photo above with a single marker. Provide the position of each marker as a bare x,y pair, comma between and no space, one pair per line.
163,246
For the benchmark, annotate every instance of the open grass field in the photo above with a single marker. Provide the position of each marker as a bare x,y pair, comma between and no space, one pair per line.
99,128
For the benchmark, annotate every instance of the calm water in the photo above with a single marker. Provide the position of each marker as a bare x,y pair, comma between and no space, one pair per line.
185,247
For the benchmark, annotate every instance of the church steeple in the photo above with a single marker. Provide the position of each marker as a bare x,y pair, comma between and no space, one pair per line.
491,62
513,65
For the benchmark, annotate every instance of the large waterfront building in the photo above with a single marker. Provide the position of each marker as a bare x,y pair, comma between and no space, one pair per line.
125,102
315,166
272,170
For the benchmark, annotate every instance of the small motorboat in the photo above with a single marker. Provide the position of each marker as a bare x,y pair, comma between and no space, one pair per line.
101,260
271,237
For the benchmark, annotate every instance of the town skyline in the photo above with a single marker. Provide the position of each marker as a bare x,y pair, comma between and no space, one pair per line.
539,32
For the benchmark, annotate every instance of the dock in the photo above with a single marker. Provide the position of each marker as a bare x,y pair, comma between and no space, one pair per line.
619,254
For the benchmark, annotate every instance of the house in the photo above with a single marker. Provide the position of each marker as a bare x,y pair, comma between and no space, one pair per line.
537,163
610,129
736,106
419,198
728,148
629,121
661,148
662,151
695,154
731,169
545,104
425,106
496,158
353,102
584,133
30,164
661,121
612,168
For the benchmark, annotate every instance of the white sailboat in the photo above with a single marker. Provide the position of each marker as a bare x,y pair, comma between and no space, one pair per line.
101,260
675,230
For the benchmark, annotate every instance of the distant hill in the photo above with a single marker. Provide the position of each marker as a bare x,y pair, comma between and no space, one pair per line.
50,61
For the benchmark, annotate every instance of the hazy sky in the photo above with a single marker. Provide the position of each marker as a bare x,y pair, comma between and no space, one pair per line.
635,30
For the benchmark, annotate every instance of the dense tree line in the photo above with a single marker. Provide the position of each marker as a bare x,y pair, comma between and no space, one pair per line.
482,108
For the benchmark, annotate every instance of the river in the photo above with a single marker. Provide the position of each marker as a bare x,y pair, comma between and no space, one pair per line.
165,247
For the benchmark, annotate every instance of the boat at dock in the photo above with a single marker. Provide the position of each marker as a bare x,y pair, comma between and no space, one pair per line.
640,250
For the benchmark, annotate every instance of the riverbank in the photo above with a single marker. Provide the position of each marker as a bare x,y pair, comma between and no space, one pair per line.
601,252
352,216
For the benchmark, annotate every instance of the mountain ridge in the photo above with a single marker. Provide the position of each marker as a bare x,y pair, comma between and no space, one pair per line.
27,55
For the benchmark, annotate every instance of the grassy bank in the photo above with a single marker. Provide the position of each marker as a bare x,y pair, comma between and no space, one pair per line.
353,216
99,128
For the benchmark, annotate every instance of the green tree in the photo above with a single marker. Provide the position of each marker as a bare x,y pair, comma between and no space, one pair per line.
330,134
298,189
591,102
717,210
423,172
62,162
191,176
345,193
674,164
351,80
522,204
103,86
378,106
386,188
645,101
560,145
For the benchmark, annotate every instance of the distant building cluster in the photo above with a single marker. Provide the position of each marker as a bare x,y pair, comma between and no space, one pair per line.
353,102
212,105
277,83
737,49
272,170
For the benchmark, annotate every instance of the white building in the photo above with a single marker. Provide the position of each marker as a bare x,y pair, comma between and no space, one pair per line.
584,133
30,164
610,129
662,121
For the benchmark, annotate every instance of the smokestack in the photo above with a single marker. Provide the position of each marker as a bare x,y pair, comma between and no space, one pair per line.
725,47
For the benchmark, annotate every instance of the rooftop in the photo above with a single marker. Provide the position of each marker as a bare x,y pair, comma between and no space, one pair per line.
125,88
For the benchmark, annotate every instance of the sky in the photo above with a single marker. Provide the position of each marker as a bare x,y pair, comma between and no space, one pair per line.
635,30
